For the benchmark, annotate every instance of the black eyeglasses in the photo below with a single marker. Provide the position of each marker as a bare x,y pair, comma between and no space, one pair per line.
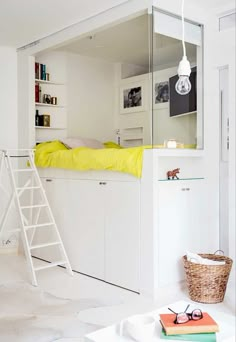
184,317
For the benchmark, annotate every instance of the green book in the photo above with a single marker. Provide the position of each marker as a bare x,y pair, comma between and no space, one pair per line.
204,337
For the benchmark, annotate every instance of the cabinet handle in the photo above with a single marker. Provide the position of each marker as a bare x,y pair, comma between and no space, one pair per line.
102,183
185,189
48,180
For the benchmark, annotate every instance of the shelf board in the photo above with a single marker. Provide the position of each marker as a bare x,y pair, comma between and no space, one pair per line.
41,104
48,82
180,179
43,127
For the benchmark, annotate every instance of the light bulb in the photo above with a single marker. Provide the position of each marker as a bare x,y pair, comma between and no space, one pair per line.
183,85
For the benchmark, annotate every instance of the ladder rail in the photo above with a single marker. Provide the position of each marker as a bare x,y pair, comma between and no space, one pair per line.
23,232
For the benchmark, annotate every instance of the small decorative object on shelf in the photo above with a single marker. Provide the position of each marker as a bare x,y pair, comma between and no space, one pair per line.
54,100
46,120
47,77
173,174
37,118
47,98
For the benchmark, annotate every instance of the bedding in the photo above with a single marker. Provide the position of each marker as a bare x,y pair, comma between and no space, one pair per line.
56,155
81,142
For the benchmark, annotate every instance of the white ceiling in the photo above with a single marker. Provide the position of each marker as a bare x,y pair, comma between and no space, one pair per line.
128,43
24,21
215,4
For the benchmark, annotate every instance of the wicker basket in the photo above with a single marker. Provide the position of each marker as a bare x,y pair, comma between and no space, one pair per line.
207,283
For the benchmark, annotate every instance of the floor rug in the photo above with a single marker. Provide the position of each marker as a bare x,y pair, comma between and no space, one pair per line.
28,314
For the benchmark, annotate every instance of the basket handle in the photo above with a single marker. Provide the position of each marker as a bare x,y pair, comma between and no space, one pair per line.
220,252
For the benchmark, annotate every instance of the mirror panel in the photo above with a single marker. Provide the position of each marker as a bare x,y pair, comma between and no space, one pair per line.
177,119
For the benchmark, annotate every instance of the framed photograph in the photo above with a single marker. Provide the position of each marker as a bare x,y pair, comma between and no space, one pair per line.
132,98
161,94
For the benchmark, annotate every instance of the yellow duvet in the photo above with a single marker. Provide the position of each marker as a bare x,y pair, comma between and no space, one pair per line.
55,154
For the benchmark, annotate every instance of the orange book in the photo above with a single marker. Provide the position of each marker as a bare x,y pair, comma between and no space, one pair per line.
204,325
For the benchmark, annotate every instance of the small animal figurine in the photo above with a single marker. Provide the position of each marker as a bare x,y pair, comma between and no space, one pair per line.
173,174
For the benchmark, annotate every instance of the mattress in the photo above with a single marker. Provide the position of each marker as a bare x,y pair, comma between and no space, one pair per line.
99,175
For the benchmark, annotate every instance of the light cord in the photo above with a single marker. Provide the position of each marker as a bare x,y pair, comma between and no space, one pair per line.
183,33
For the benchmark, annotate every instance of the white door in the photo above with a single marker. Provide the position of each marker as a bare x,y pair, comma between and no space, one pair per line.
122,234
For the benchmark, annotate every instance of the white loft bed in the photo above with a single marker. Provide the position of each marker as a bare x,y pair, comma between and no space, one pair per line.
128,231
108,220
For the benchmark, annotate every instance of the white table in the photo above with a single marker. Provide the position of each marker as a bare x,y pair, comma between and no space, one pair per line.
226,324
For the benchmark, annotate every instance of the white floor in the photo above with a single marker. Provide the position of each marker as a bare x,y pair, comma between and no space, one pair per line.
121,303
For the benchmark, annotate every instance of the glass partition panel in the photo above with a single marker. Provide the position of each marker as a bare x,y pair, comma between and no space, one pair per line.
177,119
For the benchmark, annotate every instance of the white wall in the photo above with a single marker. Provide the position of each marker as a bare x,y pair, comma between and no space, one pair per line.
8,125
8,98
226,54
90,94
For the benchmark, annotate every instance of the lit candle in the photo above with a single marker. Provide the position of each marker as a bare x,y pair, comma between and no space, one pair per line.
171,143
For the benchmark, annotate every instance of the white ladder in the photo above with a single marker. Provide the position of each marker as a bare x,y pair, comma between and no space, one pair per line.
30,212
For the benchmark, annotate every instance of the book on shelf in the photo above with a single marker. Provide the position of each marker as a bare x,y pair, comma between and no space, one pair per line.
205,325
40,71
36,92
201,337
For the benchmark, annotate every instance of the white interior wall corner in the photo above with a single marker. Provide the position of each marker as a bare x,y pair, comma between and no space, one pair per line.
8,97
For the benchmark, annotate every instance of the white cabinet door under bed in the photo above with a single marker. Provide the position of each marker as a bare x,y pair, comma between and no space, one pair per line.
122,234
82,223
99,222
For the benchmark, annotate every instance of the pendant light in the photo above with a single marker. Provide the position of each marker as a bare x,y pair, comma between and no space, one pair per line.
183,85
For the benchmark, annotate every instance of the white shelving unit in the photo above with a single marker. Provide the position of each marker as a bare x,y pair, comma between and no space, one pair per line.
56,87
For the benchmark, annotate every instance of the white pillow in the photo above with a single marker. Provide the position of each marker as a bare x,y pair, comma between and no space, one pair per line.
80,142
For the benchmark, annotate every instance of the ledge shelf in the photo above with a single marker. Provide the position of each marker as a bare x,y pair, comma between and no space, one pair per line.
41,104
43,127
48,82
180,179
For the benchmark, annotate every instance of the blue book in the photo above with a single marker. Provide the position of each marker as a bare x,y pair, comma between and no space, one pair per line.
203,337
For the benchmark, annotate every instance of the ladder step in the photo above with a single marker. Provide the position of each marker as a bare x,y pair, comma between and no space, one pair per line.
28,187
33,206
23,170
52,264
46,245
40,225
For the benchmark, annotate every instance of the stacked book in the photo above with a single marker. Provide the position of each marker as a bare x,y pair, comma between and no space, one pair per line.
201,330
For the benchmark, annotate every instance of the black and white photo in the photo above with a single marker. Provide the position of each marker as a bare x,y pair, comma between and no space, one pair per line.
161,92
132,97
